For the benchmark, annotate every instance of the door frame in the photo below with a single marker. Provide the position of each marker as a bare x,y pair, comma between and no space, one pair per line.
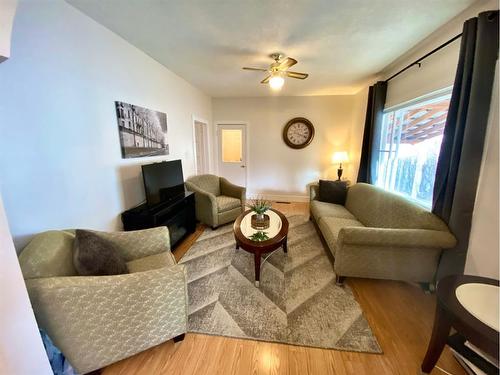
247,148
206,143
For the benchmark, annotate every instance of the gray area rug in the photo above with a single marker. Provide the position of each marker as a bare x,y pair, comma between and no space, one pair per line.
297,302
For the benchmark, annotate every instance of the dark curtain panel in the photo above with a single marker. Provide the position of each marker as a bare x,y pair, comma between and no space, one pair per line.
371,135
463,140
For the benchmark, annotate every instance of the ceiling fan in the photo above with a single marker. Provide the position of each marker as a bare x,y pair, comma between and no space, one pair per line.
278,70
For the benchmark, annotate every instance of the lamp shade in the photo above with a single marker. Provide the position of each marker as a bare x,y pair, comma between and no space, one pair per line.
340,157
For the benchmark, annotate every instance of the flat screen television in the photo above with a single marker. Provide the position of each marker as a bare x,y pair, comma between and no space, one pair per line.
163,182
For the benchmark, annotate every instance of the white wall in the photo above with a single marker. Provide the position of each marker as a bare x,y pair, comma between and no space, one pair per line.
483,256
21,348
274,169
437,71
60,164
7,12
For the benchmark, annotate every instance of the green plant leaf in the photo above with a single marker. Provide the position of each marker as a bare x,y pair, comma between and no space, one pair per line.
259,236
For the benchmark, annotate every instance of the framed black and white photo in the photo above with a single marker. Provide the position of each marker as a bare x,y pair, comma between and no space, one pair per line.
143,132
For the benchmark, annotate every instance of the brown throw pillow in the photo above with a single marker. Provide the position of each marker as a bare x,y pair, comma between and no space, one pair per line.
332,191
94,256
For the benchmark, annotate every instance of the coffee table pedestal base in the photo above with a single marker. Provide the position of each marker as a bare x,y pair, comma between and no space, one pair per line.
269,246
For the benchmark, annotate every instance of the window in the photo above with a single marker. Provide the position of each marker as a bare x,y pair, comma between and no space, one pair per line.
232,145
408,148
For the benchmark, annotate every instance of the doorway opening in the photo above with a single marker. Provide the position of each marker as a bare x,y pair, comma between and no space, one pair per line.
201,155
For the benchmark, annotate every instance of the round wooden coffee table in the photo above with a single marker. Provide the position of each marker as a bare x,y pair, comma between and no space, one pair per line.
277,236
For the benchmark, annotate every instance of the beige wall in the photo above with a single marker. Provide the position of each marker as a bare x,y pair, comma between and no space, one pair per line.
21,348
483,258
357,129
437,71
274,169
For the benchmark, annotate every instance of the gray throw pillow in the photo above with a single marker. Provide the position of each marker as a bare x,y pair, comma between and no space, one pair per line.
332,191
94,256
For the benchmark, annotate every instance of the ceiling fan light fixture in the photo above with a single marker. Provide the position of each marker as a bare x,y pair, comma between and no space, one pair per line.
278,70
276,82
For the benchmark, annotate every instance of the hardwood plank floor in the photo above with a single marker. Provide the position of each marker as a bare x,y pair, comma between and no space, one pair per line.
400,315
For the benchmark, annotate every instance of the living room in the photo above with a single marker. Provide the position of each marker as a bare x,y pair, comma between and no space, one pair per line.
67,69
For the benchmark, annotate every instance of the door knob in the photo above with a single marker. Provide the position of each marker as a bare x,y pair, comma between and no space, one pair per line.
242,166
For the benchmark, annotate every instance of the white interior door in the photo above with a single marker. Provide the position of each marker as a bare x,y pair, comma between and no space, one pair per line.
201,146
232,155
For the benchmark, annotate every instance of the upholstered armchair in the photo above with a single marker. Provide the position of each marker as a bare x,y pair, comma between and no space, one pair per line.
217,200
98,320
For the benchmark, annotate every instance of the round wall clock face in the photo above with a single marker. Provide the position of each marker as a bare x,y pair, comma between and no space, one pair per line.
298,132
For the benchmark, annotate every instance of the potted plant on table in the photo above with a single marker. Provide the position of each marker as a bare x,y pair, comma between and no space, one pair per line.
260,220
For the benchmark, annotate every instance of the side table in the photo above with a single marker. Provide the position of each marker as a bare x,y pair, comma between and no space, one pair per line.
466,303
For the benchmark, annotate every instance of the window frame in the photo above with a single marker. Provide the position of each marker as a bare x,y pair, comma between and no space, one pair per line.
408,105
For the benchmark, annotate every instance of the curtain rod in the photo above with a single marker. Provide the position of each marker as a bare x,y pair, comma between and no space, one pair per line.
417,62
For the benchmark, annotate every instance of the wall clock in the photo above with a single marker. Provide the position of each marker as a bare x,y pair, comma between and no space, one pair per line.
298,132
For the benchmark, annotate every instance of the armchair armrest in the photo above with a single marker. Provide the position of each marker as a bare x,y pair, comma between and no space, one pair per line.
98,320
139,243
232,190
206,205
424,238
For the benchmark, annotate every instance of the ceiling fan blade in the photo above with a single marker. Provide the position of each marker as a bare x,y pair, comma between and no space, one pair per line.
266,80
258,69
286,63
296,75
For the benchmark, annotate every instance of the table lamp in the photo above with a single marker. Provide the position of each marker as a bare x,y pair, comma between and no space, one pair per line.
340,157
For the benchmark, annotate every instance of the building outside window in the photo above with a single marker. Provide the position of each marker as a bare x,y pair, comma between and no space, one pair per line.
409,146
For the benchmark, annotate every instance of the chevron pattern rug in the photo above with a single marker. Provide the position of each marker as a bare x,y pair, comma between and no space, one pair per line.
297,301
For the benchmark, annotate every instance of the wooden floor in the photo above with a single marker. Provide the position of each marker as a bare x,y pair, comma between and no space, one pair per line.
400,315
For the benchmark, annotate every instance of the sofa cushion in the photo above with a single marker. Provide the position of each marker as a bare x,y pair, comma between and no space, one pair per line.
94,256
225,203
323,209
151,262
331,226
375,207
49,254
332,191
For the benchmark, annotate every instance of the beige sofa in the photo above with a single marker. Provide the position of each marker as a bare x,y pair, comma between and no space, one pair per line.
381,235
217,200
98,320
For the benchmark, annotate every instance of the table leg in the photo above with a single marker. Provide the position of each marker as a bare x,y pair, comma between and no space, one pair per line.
440,332
285,245
256,258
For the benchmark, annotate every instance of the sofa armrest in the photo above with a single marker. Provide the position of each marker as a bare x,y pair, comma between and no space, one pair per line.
205,204
396,237
98,320
139,243
232,190
313,191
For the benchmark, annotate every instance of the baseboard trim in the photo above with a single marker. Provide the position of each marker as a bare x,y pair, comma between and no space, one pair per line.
280,197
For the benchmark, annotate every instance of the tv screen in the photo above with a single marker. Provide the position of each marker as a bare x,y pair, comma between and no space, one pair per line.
163,181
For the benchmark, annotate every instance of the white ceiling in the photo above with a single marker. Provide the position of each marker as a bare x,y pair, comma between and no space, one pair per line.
340,43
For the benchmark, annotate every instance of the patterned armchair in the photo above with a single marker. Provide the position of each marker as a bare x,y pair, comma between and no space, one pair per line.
217,200
98,320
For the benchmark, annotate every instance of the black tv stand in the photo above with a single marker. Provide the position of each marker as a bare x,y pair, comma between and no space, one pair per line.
178,215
